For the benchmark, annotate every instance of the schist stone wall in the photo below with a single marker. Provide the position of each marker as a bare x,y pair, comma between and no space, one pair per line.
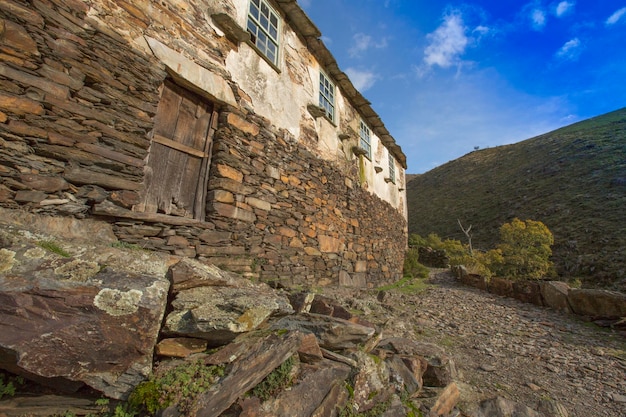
77,110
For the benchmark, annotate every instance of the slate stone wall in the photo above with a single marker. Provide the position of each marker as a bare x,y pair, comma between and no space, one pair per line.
76,107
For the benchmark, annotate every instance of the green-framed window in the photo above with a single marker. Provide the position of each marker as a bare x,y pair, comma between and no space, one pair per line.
392,168
263,25
366,139
327,96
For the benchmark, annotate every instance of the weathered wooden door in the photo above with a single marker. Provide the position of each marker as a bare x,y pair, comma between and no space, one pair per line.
180,153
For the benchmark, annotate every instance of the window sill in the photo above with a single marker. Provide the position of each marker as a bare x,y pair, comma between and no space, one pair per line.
231,28
358,151
262,55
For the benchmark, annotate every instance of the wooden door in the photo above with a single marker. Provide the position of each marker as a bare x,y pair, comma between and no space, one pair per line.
180,153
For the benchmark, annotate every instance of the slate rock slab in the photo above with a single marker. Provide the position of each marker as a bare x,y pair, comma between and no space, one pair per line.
67,320
99,331
332,333
218,314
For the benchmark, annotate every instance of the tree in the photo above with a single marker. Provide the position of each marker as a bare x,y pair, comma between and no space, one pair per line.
526,249
466,232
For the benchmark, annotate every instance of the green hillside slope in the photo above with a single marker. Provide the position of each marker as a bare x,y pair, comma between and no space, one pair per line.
572,179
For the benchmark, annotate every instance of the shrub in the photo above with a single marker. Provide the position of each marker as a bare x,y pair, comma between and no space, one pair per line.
277,380
8,386
526,249
180,385
412,267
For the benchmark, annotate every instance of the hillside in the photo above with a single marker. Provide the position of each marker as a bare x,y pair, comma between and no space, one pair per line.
572,179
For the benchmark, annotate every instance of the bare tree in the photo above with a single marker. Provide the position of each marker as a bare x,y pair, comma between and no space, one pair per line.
469,236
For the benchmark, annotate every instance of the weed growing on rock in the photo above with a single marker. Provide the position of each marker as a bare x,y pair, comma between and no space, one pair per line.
53,247
8,386
277,380
407,285
350,409
180,385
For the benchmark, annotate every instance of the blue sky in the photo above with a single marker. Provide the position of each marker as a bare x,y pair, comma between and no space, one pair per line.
447,76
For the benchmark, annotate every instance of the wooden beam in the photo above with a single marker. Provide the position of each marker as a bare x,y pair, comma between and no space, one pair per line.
106,208
179,146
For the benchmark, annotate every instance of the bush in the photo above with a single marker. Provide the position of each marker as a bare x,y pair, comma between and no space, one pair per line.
180,385
526,249
412,267
524,252
279,379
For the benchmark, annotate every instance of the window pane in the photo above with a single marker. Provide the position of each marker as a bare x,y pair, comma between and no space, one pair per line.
254,11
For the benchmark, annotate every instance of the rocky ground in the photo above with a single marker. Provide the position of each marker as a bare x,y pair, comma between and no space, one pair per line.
504,347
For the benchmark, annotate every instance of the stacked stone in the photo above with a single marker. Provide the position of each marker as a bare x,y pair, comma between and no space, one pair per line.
301,216
74,116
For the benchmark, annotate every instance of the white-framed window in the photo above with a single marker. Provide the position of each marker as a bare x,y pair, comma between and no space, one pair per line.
366,139
392,168
327,96
263,25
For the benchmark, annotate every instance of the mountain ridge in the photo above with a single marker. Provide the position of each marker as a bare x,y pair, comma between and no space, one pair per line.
572,179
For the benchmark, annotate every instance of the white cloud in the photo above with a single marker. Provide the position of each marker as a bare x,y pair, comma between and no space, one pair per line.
363,42
362,80
615,17
564,7
570,50
327,40
482,30
447,43
538,18
475,109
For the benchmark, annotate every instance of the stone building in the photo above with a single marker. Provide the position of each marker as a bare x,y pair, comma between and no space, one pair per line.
220,129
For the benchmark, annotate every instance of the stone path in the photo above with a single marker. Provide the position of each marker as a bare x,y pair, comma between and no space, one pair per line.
504,347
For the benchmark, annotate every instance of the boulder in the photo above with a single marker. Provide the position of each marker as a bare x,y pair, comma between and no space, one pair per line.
217,305
190,273
551,408
404,375
307,395
218,314
528,292
332,333
500,286
554,295
180,347
502,407
474,280
104,323
371,382
440,369
261,357
447,399
597,303
72,313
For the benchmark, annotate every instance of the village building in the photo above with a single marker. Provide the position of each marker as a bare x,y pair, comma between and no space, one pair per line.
222,130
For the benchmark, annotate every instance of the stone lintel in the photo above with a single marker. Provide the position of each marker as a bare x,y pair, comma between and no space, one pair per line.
191,74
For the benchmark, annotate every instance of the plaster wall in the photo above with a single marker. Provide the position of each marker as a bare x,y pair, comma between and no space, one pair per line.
282,94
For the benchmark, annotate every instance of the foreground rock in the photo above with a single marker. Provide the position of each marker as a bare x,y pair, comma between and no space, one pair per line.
55,309
73,315
216,306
